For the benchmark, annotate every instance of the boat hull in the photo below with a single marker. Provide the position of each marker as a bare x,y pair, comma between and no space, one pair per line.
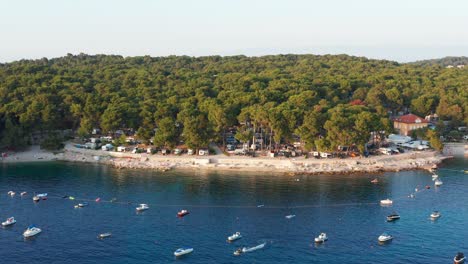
185,252
8,223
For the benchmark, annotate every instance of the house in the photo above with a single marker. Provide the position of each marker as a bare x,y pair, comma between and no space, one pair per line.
407,123
460,66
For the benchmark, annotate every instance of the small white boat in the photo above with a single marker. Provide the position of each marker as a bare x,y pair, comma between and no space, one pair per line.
142,207
9,221
435,215
260,205
11,193
290,216
386,202
434,177
411,196
182,251
438,182
31,231
459,258
234,237
23,193
321,238
104,235
385,237
36,199
80,205
393,217
250,249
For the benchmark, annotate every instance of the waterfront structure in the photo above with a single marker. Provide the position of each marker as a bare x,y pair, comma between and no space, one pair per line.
406,123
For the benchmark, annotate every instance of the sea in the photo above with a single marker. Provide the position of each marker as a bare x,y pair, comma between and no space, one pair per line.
345,207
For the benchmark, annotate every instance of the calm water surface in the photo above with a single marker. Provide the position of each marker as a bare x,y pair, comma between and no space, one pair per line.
345,207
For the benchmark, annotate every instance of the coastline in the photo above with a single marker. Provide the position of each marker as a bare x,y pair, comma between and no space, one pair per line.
411,160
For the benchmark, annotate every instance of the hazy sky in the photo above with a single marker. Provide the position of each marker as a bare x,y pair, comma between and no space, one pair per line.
402,30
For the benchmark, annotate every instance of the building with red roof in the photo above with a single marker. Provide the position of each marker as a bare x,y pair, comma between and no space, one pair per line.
406,123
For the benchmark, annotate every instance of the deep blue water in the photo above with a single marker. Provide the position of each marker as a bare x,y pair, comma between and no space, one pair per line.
345,207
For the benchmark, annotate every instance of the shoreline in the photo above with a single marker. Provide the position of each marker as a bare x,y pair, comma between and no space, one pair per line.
411,160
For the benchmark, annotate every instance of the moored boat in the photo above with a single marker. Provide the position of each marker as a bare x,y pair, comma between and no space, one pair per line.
234,237
11,193
42,196
104,235
9,221
321,238
375,180
438,182
386,202
31,231
182,213
23,193
385,237
435,215
36,199
290,216
80,205
393,217
142,207
182,251
459,258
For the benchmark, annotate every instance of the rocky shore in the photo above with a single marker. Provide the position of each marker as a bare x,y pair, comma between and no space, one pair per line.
406,161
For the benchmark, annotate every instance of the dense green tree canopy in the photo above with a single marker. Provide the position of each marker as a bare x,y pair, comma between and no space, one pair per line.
327,100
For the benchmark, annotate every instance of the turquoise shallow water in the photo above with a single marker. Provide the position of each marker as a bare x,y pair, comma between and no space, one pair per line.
345,207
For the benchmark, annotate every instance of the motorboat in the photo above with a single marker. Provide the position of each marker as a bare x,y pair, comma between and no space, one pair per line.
182,213
393,217
11,193
9,221
438,182
71,198
42,196
290,216
428,187
234,237
459,258
98,200
411,196
435,215
434,177
104,235
321,238
238,252
375,180
80,205
385,237
386,202
36,199
142,207
182,251
23,193
32,231
260,205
